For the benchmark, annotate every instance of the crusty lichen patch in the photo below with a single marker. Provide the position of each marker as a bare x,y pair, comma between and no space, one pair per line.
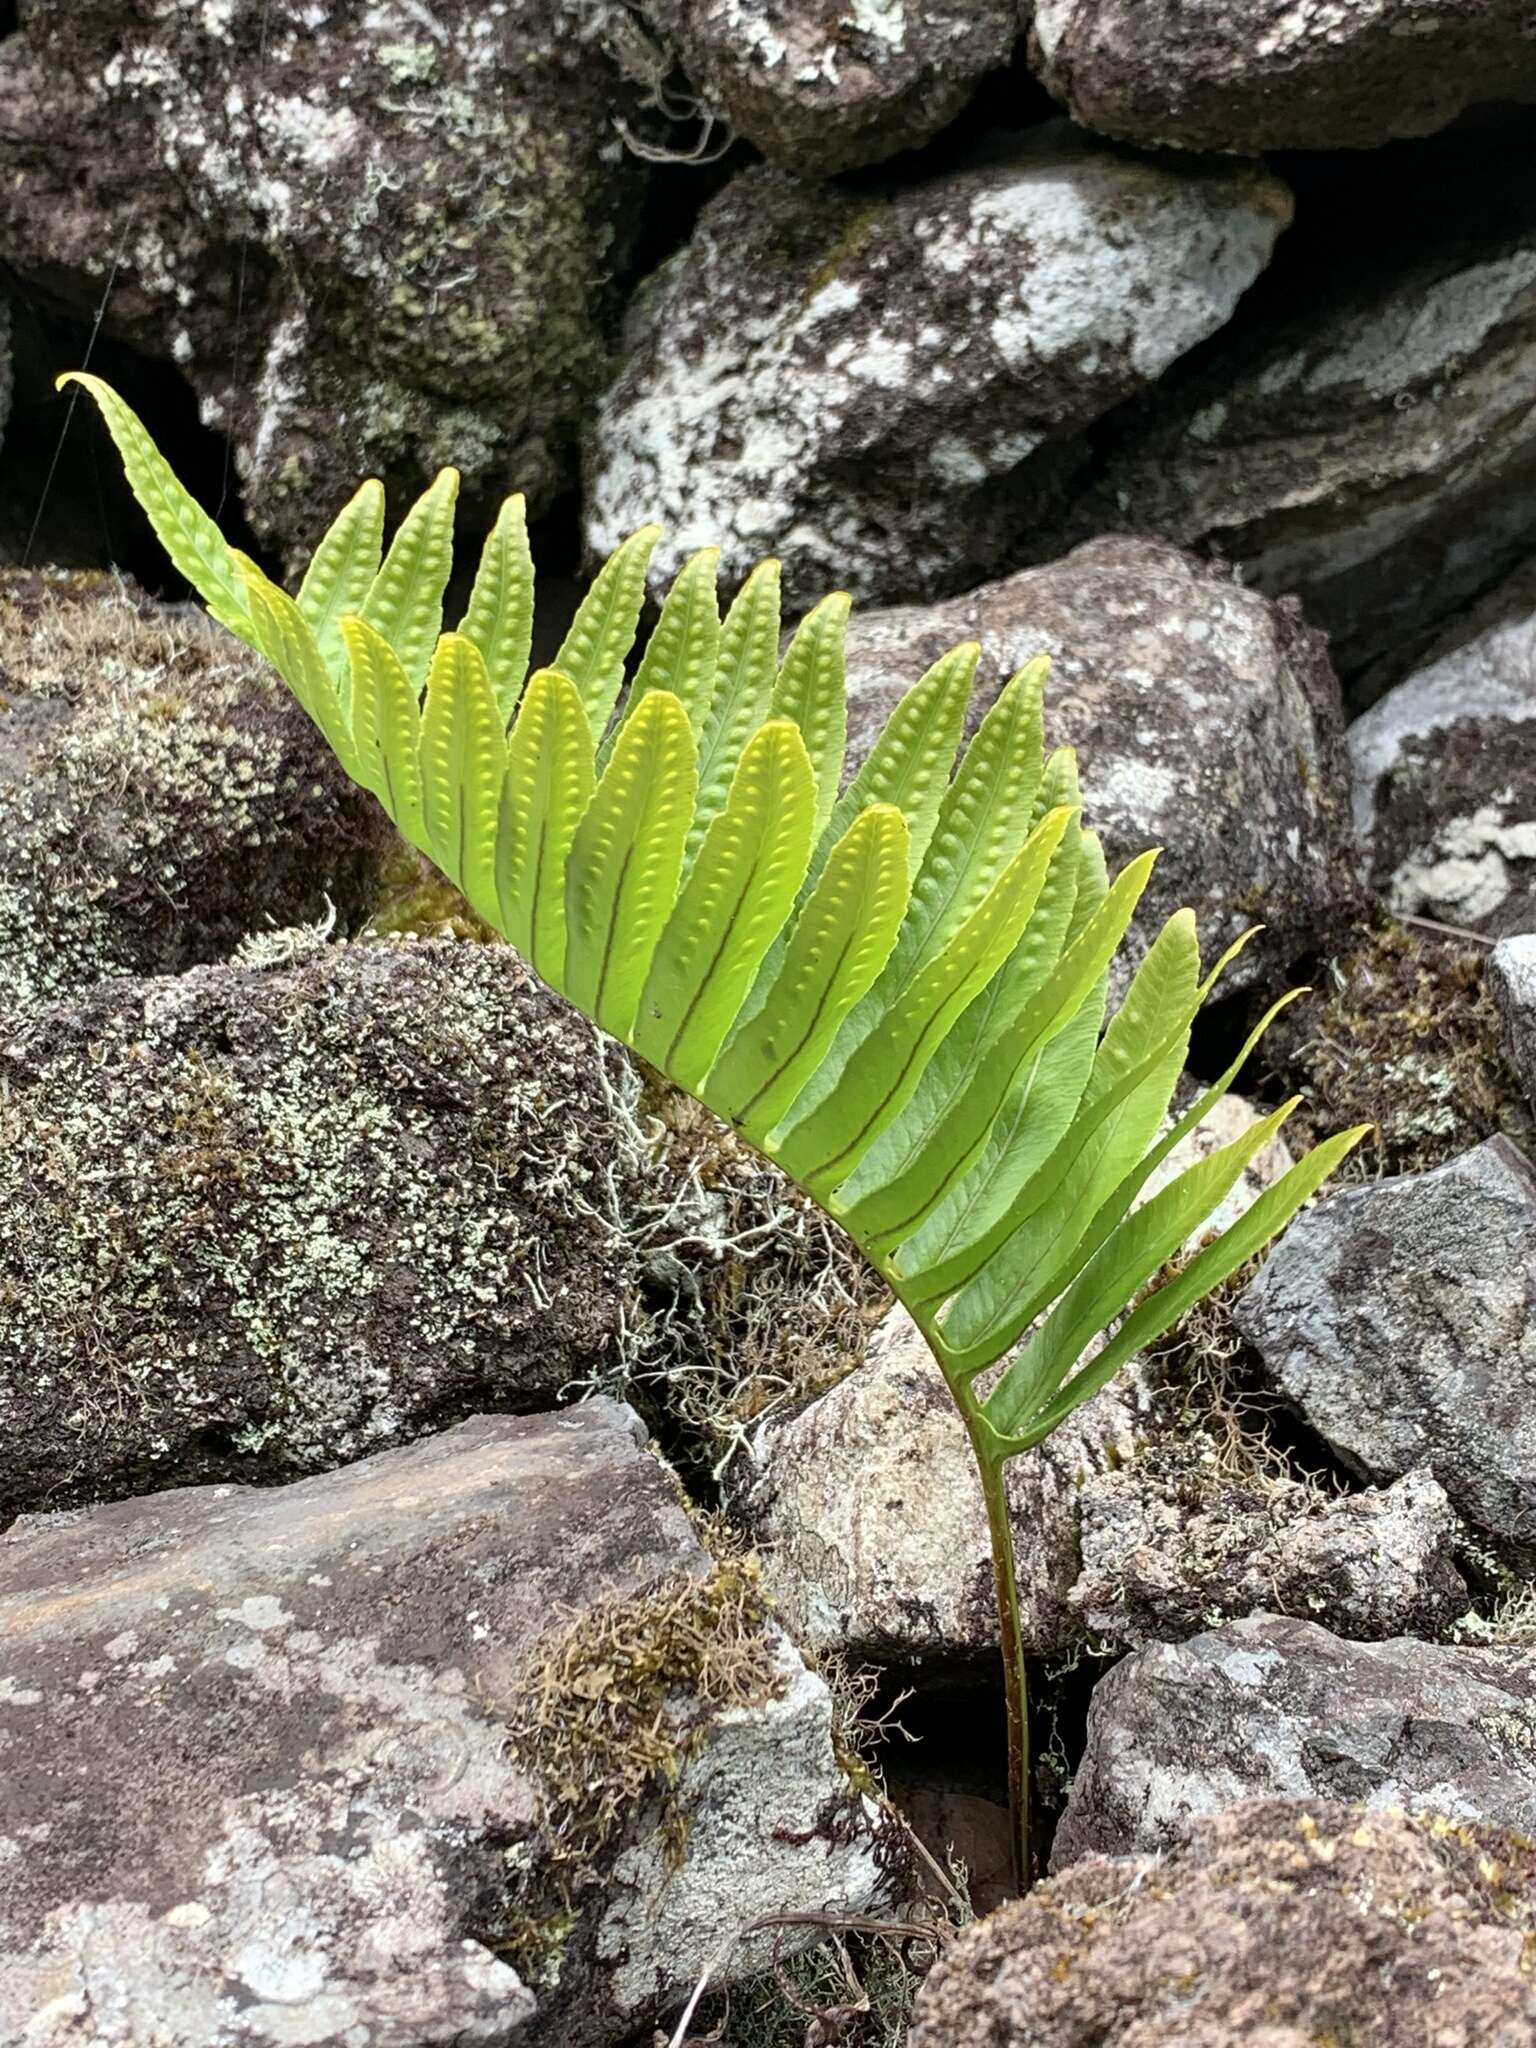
614,1704
1402,1034
161,795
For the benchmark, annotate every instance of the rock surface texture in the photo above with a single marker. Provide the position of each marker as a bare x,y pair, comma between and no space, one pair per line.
1345,74
380,247
260,1222
1206,719
277,1800
1512,978
1397,1317
1268,1707
1445,772
1280,1925
855,381
822,88
162,796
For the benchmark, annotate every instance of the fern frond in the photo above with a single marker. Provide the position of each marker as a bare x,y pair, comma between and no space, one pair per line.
499,617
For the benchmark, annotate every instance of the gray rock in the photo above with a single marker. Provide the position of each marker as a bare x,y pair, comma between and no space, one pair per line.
1445,772
1366,439
1397,1318
856,381
162,795
376,249
1277,76
822,89
262,1222
1280,1925
1168,1551
869,1515
1269,1707
1206,720
1512,980
291,1789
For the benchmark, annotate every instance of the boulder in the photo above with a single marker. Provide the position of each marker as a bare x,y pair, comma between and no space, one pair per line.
820,89
1280,1925
855,381
1512,978
1206,719
260,1222
1445,772
1269,1707
1170,1549
162,795
306,1773
1277,76
1397,1318
376,249
1363,435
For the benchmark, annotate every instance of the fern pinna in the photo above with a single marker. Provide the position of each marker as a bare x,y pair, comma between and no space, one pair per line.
896,990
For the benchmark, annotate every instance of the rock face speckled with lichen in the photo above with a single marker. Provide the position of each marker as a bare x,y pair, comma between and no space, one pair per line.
162,796
855,382
1281,1925
288,1778
1398,1319
1206,719
821,89
1346,74
261,1222
1445,772
377,237
1269,1707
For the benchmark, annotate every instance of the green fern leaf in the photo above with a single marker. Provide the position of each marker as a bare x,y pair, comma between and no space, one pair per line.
909,764
743,692
626,858
405,600
386,725
462,757
811,690
683,653
279,632
340,575
733,905
499,619
548,784
595,649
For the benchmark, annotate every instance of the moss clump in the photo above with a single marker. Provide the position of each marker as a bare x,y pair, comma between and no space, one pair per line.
1403,1034
415,900
614,1704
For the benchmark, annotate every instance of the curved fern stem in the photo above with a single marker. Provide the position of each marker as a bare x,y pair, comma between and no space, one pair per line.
992,1468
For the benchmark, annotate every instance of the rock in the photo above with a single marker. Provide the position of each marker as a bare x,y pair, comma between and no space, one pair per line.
1364,434
1279,1925
1512,978
298,1784
854,381
162,796
869,1515
1397,1318
1206,719
1279,76
823,89
263,1222
1269,1707
373,251
1445,772
1164,1558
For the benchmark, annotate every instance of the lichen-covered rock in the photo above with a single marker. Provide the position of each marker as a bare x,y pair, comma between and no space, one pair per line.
376,241
1269,1707
1397,1317
301,1778
1280,1925
263,1221
1206,719
1347,74
869,1515
824,88
1366,439
1168,1552
162,796
1445,772
1512,978
854,381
